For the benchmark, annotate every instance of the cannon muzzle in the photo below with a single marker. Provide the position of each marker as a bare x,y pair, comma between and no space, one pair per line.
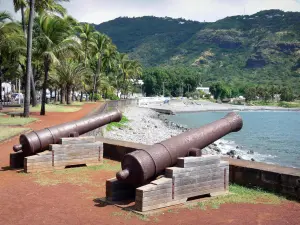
140,166
38,141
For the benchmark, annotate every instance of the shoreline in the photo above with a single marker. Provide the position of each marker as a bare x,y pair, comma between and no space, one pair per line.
147,126
188,106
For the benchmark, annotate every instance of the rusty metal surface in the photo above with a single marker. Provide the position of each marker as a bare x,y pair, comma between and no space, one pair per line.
38,141
140,166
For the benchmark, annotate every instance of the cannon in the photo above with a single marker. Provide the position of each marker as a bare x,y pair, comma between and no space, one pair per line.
142,165
39,141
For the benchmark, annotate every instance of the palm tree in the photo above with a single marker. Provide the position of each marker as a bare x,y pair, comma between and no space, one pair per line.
28,57
21,5
10,39
40,7
56,40
69,74
101,46
86,35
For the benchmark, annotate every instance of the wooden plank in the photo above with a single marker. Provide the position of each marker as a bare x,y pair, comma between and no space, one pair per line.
77,140
171,171
153,193
204,183
200,163
197,173
198,193
153,187
197,180
157,196
59,147
157,206
182,160
204,186
155,201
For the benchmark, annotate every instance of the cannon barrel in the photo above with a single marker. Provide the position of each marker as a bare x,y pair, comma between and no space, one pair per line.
143,164
38,141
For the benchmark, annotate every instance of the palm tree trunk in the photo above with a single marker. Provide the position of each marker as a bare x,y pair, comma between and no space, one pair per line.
62,96
33,91
29,54
46,67
23,19
55,95
68,95
81,96
73,94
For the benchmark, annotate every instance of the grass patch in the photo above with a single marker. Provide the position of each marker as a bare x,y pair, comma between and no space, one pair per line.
241,194
76,103
7,132
13,121
2,114
120,124
129,215
77,176
51,108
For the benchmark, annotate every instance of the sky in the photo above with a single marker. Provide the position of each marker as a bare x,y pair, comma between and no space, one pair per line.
98,11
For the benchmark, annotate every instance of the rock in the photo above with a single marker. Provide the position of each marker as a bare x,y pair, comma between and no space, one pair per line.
251,152
239,157
214,144
155,126
231,153
221,143
253,160
237,147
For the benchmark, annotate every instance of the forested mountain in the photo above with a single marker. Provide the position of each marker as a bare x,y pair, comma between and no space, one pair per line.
263,48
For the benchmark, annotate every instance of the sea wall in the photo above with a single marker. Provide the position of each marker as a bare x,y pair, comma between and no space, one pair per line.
283,180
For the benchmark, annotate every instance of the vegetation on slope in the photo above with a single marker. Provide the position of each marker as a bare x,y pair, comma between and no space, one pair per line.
263,48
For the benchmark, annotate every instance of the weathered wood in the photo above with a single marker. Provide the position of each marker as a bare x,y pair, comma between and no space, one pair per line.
139,207
152,193
77,140
167,194
81,146
172,171
199,193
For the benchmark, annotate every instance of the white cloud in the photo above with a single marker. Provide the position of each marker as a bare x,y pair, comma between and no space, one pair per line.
97,11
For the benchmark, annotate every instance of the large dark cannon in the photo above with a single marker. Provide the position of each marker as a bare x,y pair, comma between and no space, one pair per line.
38,141
140,166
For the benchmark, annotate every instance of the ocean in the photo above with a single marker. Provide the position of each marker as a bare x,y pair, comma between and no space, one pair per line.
274,137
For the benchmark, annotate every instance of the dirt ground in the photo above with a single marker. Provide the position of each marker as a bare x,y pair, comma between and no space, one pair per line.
70,196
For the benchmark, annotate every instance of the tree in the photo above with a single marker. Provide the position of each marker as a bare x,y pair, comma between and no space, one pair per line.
101,45
250,93
86,35
287,94
10,40
69,75
56,40
28,59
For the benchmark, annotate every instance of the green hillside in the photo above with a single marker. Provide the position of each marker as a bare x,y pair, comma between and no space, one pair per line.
263,48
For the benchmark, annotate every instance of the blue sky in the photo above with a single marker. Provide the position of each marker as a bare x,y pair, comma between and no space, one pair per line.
97,11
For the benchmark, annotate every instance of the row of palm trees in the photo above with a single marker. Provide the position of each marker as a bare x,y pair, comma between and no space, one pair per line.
50,49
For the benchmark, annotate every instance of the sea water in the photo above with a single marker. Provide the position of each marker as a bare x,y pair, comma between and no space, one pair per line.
274,137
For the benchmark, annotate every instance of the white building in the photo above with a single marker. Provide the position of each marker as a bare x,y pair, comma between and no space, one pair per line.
204,89
5,89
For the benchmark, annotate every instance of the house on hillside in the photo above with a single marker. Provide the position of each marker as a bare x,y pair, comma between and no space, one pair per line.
204,89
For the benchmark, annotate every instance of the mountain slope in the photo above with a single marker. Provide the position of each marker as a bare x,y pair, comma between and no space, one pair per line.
261,48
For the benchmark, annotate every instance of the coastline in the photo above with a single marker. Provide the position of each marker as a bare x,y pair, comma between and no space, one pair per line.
193,106
147,126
